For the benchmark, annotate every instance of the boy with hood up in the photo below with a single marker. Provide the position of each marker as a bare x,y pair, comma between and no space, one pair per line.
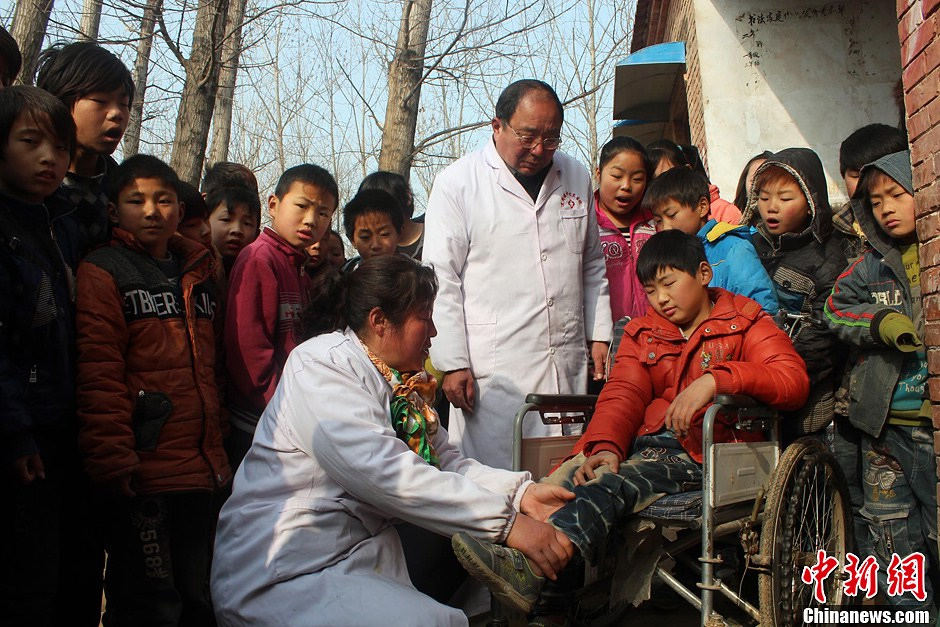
789,206
875,307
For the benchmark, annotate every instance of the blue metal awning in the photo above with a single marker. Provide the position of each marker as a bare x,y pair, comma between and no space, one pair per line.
645,81
641,130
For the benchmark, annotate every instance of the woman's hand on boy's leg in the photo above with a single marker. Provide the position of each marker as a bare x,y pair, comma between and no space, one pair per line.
689,401
547,549
541,500
587,470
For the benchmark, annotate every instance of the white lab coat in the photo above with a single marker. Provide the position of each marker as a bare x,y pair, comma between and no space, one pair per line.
306,537
522,289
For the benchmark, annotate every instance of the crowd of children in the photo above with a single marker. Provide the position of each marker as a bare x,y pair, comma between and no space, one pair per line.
146,323
845,295
146,330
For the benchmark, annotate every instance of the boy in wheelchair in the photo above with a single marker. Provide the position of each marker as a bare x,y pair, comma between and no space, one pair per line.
645,439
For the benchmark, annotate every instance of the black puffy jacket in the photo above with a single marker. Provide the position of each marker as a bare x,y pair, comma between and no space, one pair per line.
803,267
37,336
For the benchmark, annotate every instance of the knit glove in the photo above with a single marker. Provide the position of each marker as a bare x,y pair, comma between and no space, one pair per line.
898,330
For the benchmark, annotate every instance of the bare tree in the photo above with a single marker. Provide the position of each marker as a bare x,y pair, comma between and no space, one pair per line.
29,29
141,69
199,88
317,78
464,42
279,119
91,19
589,43
231,52
404,87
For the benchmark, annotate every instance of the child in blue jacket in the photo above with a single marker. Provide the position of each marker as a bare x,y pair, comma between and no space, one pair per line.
679,199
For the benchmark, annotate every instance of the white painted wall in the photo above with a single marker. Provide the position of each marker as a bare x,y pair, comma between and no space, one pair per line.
787,73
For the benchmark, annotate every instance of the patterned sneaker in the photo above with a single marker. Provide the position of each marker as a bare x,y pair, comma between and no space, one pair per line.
505,571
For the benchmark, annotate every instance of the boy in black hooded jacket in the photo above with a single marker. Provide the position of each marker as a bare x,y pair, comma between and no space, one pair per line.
803,254
38,430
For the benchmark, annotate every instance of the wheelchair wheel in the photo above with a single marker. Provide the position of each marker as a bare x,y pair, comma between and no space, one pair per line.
807,510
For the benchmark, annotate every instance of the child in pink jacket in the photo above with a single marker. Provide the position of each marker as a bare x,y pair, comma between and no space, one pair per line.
624,224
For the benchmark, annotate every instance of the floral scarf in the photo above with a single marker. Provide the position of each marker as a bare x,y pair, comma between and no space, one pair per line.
413,417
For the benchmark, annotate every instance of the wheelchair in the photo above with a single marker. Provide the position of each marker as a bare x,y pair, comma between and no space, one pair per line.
783,506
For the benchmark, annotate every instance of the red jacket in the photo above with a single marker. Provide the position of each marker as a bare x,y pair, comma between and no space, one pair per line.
147,397
266,293
721,209
738,344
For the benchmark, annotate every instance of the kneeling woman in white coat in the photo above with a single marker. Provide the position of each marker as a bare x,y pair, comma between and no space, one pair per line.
347,446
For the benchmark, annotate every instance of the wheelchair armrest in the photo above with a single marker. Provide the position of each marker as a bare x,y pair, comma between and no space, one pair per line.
576,408
749,413
731,401
562,402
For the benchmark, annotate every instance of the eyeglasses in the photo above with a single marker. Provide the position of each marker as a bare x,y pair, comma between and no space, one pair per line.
530,141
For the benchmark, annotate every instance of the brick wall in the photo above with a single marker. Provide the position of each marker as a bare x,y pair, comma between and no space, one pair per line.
680,26
918,25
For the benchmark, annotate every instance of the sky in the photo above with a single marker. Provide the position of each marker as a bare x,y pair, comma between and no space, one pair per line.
313,85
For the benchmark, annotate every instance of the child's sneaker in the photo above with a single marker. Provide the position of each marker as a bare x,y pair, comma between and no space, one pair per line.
505,571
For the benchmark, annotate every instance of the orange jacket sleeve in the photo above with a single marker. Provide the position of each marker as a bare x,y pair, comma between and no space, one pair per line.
104,403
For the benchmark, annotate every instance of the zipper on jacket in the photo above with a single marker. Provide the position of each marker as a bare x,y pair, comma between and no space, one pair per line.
189,323
69,279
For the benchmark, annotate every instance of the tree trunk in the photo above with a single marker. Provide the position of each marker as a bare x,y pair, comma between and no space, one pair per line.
198,98
141,69
231,50
404,88
29,29
91,19
591,105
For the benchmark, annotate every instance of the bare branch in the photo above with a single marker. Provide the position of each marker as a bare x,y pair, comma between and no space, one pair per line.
161,28
368,106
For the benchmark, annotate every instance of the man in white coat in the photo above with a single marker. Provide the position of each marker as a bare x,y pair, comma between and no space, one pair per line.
523,301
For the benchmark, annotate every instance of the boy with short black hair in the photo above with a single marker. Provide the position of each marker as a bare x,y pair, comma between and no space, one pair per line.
862,146
10,58
679,199
194,222
228,174
148,403
267,292
373,220
875,306
98,89
865,145
37,346
645,437
795,240
235,220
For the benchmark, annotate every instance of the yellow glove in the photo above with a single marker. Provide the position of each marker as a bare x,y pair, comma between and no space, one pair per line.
898,330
